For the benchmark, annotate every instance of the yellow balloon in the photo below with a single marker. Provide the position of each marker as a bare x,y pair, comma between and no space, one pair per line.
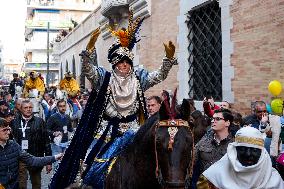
277,106
275,87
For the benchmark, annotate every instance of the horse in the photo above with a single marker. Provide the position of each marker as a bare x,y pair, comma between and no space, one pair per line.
18,92
35,99
161,156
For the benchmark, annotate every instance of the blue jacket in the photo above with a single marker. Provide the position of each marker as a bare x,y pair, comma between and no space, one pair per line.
10,155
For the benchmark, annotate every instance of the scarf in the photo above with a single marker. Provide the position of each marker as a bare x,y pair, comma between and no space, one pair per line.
232,174
124,92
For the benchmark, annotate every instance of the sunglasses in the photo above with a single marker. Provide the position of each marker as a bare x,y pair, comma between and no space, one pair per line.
217,119
8,129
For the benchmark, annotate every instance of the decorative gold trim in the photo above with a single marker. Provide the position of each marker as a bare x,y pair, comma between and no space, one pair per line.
98,136
250,140
203,183
111,164
101,160
173,123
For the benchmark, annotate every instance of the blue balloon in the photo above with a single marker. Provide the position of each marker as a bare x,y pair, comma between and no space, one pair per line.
268,108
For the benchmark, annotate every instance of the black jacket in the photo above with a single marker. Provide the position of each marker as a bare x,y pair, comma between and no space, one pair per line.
13,84
36,134
56,123
10,155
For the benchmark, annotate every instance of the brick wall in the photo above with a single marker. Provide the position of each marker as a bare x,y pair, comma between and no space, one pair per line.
160,27
258,37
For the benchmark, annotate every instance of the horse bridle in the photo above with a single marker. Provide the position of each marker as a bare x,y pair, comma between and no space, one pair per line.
175,123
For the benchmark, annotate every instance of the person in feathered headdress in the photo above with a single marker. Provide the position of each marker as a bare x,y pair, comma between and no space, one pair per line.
69,84
115,109
34,82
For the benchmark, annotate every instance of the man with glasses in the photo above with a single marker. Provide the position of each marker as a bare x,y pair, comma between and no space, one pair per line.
10,155
213,145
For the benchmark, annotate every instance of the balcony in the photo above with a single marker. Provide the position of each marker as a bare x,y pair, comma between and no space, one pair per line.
113,7
56,48
53,4
40,66
30,46
54,25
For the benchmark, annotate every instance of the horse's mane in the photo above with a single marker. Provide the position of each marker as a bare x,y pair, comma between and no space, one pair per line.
142,132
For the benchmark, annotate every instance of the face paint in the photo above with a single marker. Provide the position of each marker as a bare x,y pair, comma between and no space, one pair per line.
248,156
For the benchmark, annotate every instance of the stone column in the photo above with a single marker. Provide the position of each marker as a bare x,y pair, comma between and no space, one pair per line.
117,12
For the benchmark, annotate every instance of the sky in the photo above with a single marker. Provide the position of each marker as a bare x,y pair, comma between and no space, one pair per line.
12,20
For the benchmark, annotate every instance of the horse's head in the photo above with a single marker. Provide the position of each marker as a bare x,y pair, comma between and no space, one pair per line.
174,148
174,145
186,108
60,94
33,93
199,124
18,89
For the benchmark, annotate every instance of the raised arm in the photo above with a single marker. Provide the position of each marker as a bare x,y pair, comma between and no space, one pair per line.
89,59
90,70
149,79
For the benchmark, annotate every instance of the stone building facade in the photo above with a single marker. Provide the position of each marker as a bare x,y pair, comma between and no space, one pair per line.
250,46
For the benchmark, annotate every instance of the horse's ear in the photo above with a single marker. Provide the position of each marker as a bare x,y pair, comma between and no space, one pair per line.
164,111
174,104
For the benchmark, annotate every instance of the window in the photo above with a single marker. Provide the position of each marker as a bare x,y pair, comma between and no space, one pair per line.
66,68
61,71
205,51
74,66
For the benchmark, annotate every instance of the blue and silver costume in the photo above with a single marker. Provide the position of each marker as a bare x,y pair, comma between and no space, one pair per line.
113,114
120,120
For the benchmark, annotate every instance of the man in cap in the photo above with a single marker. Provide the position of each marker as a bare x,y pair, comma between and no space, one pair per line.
246,165
34,82
69,84
16,82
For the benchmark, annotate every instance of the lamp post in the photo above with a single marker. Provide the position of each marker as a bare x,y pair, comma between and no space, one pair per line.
47,53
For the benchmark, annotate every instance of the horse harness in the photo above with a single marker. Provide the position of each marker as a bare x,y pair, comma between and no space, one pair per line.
173,126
